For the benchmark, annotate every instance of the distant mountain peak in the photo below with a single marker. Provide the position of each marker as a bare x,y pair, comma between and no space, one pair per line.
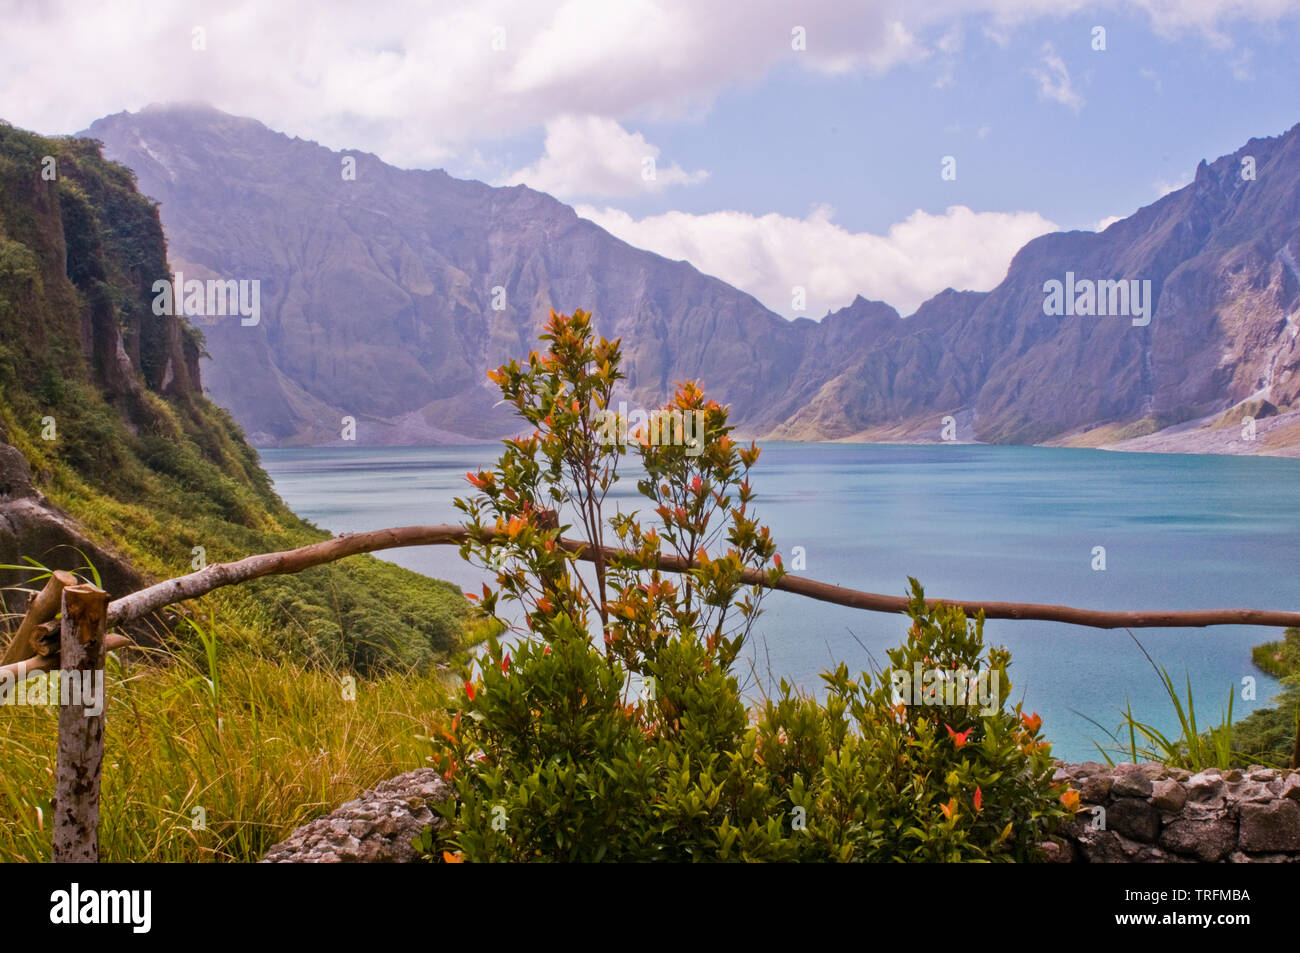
389,296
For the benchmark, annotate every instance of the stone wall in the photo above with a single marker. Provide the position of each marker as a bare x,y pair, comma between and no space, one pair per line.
1153,814
1149,813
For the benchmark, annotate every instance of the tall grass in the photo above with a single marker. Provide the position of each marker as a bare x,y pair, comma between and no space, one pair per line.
1195,749
214,753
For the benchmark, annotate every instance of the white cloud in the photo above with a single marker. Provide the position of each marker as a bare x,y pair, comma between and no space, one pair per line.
591,157
770,254
949,46
1054,80
1240,63
1163,188
415,82
1107,222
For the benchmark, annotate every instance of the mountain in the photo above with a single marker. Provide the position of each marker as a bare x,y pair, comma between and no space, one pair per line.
111,456
377,293
1220,255
378,296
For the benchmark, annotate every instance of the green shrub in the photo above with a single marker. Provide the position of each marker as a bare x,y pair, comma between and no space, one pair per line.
1281,658
639,746
1268,736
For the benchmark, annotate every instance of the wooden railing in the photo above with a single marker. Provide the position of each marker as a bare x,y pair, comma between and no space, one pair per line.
79,641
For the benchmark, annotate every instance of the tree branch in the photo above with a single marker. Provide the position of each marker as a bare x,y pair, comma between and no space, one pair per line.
226,574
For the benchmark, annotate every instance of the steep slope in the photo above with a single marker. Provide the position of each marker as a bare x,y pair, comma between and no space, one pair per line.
110,453
378,292
1220,255
378,299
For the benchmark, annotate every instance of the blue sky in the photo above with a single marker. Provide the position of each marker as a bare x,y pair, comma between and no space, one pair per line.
871,146
775,168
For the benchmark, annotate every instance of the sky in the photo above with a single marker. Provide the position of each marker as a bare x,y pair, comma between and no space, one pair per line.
804,152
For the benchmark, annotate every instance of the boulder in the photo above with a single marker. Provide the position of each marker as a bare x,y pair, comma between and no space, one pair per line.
1270,827
377,827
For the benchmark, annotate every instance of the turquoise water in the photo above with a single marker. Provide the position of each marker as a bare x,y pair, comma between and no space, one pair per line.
970,522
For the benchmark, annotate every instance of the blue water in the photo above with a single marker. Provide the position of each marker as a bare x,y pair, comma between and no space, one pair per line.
970,522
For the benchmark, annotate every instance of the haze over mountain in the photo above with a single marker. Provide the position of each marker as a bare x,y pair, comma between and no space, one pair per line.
377,302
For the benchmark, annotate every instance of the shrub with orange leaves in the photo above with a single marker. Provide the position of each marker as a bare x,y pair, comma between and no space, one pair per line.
615,729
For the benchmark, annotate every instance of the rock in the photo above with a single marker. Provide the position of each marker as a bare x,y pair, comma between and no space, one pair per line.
1168,795
1250,791
1139,853
1270,827
1057,852
1205,788
1102,847
377,827
1238,857
1218,310
1134,818
1209,840
15,476
1130,781
1095,790
30,525
1209,817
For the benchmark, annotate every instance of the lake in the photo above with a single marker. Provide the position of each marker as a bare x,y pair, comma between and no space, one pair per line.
971,523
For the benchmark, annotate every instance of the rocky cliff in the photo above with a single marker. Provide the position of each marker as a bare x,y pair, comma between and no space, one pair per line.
111,455
386,295
86,367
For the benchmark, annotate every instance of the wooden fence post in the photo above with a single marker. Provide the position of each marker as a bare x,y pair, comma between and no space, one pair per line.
81,734
42,606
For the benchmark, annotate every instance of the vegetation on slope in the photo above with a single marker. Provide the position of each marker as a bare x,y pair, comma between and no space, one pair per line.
140,457
102,398
1269,735
217,753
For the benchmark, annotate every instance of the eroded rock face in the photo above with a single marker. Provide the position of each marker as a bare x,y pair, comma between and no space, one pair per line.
388,310
376,828
31,526
1148,813
15,476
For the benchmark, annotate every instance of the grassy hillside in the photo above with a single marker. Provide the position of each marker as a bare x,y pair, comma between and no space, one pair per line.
245,712
147,464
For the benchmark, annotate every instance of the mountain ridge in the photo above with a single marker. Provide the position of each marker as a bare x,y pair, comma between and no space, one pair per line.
380,301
